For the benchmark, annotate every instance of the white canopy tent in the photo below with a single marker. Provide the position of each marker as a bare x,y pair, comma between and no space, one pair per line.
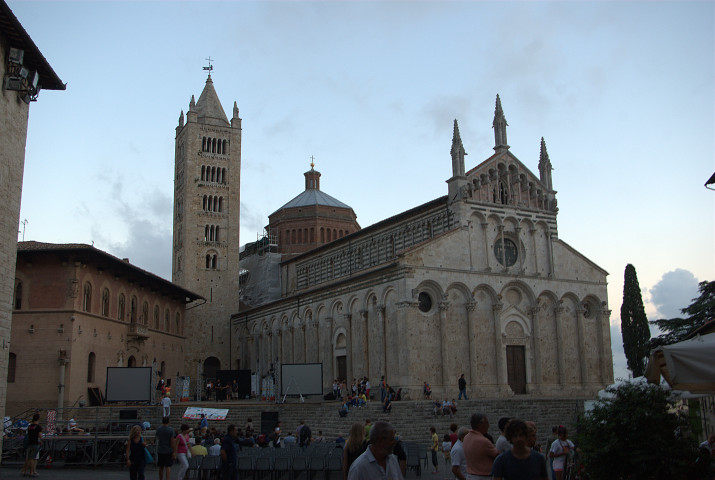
687,365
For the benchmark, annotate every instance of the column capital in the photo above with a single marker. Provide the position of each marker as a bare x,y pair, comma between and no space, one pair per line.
497,307
470,306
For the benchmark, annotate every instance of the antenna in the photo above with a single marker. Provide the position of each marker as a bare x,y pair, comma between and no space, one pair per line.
24,224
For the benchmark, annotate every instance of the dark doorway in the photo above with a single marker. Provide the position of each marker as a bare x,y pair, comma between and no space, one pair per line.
211,367
516,368
342,367
132,362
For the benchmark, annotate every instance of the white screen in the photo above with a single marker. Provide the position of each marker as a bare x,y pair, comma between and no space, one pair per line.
129,384
303,378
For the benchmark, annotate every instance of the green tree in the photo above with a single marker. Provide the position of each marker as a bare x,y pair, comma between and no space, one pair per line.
634,324
637,433
701,311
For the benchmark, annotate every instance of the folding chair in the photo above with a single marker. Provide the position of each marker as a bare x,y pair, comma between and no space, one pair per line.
300,467
194,466
245,466
334,467
316,465
281,467
263,468
210,467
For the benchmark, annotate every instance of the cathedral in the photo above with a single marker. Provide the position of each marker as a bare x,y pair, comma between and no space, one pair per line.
476,282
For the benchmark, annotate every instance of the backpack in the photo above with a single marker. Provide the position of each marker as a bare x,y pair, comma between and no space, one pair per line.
305,435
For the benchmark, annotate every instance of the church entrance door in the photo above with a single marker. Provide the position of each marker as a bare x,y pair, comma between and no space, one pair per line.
342,365
516,368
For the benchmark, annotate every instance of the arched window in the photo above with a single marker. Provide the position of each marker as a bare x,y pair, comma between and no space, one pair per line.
312,235
208,261
145,313
203,145
216,238
178,323
156,317
213,262
213,145
205,204
120,307
206,233
87,297
11,366
225,147
335,234
17,301
91,361
328,234
105,302
220,204
133,310
211,366
223,176
166,320
203,172
210,204
322,235
132,362
163,369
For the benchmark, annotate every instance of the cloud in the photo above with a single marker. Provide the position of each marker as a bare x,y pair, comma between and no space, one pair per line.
674,291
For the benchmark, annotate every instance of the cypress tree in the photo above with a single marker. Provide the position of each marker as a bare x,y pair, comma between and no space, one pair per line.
634,324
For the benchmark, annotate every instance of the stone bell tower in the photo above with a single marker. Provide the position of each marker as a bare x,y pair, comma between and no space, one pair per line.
206,228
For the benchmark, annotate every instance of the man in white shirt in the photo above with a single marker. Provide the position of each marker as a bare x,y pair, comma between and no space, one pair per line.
166,403
378,462
459,463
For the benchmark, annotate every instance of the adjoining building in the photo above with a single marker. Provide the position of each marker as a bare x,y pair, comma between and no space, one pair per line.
23,72
475,282
78,310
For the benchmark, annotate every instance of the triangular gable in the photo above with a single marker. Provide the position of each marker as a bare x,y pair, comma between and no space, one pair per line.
505,159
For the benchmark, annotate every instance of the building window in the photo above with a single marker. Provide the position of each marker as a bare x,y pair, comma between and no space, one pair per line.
133,310
11,364
120,307
91,361
166,320
87,297
156,317
17,301
145,313
105,302
425,302
178,323
506,252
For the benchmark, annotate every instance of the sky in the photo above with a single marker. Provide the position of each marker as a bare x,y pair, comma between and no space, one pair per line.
622,92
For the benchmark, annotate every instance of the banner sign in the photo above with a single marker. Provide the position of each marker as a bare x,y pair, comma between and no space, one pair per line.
194,413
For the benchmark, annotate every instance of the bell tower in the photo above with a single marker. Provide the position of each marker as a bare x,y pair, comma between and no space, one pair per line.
206,228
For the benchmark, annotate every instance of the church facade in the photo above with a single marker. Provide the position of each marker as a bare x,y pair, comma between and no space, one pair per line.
476,282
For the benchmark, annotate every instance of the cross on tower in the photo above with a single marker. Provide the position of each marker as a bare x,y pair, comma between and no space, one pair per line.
210,67
312,161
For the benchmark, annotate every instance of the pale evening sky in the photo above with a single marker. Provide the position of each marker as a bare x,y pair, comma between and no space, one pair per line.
622,92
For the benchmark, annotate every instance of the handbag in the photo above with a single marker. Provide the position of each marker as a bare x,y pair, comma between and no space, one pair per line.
188,449
147,456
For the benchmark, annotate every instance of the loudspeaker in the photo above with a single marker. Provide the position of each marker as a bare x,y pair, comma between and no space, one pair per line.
128,414
268,421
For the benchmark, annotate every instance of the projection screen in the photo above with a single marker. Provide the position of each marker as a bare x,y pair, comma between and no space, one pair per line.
302,378
128,384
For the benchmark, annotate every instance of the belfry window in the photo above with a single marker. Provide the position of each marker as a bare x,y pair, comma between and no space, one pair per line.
105,302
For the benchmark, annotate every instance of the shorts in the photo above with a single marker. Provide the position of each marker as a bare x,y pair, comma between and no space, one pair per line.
32,452
164,460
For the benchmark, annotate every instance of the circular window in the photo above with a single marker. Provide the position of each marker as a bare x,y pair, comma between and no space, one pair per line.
506,252
425,302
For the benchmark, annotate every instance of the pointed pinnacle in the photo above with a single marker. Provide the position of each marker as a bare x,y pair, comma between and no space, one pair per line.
455,134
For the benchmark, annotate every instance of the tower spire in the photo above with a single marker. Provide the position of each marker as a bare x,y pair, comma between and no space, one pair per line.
457,152
499,124
545,166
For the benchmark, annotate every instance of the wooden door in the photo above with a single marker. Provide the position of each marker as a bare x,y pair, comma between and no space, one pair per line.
516,368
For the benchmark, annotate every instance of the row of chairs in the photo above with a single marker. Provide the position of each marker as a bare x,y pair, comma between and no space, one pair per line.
287,467
204,467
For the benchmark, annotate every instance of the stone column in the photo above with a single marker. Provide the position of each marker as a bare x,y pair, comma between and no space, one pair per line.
604,365
520,254
581,354
403,355
249,358
534,339
499,346
472,340
382,327
558,311
290,356
316,337
330,351
485,225
366,342
349,346
279,353
305,342
443,307
532,231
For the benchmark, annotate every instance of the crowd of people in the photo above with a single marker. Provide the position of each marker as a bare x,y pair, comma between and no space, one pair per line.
358,394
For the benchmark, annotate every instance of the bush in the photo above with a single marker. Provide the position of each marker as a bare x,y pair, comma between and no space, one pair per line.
637,433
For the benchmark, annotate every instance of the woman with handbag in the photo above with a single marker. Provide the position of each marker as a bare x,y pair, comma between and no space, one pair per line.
135,453
183,451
